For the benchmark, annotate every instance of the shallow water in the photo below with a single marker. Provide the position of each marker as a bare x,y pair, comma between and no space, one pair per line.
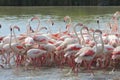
54,74
87,15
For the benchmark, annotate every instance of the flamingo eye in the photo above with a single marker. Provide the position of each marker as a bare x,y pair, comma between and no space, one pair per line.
97,21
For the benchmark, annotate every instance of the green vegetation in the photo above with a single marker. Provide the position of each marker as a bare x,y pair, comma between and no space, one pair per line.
59,2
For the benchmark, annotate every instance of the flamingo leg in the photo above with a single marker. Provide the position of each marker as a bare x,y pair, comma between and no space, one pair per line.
89,67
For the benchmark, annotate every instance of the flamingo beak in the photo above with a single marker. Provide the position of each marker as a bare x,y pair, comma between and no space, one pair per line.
10,29
17,28
52,23
97,21
0,26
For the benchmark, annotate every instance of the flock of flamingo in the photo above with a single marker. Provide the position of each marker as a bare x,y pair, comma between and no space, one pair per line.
88,48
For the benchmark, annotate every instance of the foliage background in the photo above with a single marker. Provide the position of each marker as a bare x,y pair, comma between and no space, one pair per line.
59,2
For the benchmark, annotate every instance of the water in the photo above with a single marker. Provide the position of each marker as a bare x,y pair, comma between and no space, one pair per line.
20,16
87,15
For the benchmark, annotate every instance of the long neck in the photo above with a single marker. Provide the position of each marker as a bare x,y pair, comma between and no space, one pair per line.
69,20
28,29
10,37
82,36
102,42
15,36
38,27
69,24
76,34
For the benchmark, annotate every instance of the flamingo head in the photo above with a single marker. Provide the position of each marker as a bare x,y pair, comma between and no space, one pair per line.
116,14
98,21
79,24
85,27
66,18
10,29
98,31
92,30
16,27
43,28
68,26
51,21
31,29
35,18
0,26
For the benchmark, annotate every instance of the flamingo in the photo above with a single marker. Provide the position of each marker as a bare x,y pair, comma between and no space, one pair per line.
38,19
69,24
16,47
1,48
101,49
34,54
115,57
50,21
64,34
50,48
85,54
115,26
73,48
7,48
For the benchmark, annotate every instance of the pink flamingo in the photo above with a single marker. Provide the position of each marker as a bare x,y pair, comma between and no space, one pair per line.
102,50
85,54
16,47
7,48
50,50
50,21
115,57
69,24
64,34
72,49
1,48
34,55
38,19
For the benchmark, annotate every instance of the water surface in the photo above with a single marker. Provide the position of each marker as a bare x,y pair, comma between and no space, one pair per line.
87,15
